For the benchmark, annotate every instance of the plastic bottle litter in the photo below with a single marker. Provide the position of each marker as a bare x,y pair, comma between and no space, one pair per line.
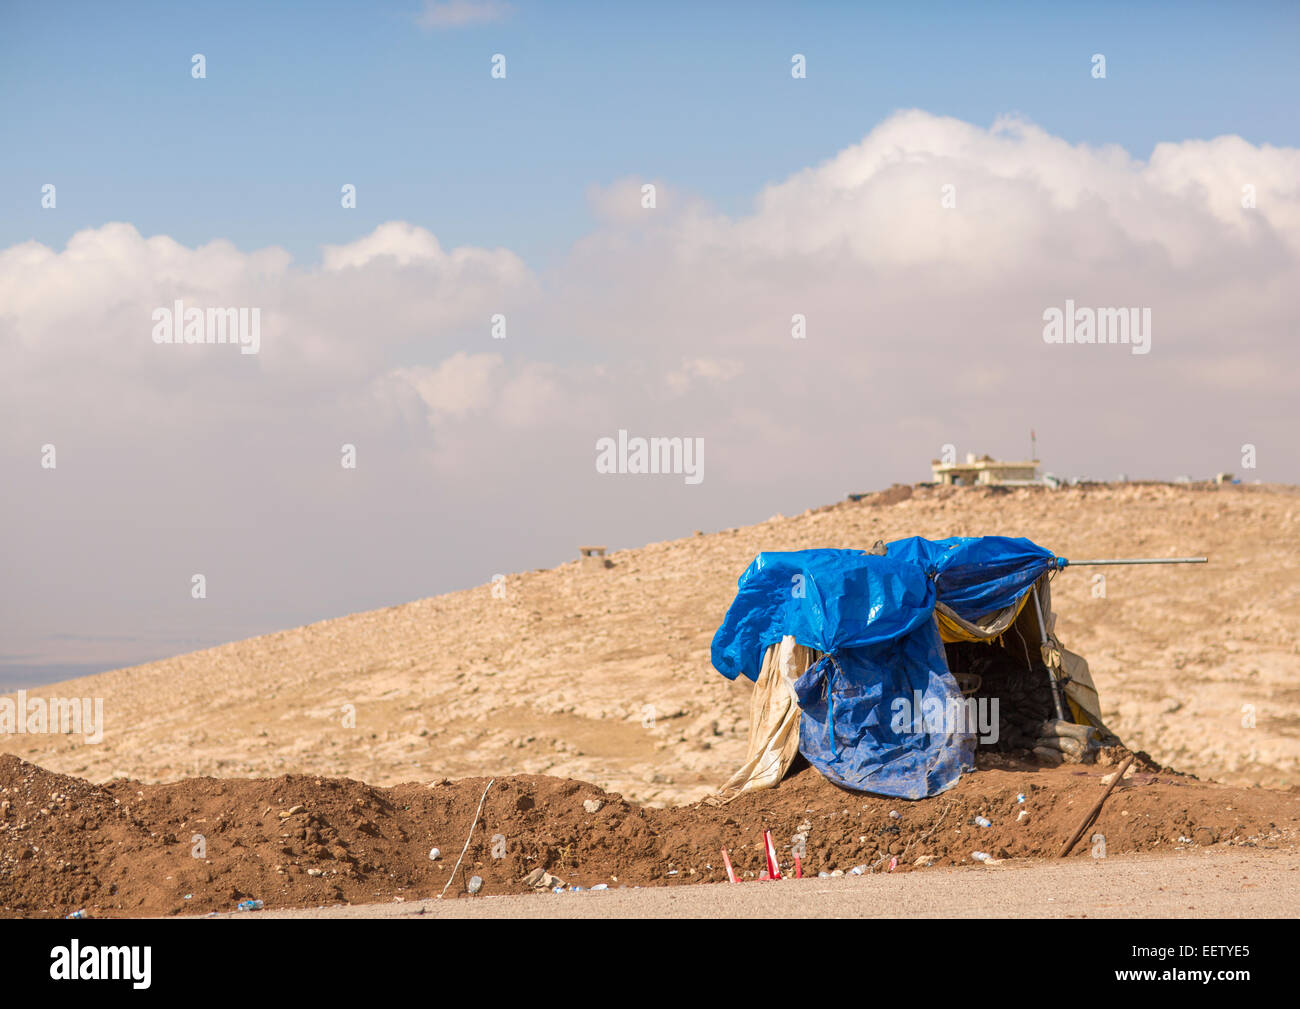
895,814
475,884
249,905
76,915
434,853
859,870
981,821
981,856
1020,797
601,886
557,889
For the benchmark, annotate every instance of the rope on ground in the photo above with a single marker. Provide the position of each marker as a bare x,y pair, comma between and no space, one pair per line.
473,824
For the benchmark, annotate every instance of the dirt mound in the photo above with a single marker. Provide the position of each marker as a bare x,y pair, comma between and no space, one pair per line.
299,841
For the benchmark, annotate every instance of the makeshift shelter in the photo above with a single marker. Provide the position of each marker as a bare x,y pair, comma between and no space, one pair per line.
872,665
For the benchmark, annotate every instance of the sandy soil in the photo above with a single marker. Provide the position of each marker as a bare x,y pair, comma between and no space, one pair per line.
604,674
1203,885
204,844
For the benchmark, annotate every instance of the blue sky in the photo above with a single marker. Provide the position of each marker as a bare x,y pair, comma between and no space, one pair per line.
301,98
520,196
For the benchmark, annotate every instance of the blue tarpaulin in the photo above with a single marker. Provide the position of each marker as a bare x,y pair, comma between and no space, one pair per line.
829,600
873,616
976,575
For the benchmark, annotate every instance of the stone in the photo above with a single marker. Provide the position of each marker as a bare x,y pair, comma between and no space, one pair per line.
540,879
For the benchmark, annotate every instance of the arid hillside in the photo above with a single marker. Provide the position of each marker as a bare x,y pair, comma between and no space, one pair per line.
603,674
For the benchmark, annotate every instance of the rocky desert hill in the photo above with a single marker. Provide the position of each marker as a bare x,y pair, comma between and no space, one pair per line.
604,675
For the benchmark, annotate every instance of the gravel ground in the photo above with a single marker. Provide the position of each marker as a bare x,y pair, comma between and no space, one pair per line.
1259,884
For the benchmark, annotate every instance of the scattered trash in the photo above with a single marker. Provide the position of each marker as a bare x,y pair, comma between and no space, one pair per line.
1022,816
859,870
923,861
601,886
983,856
837,872
249,905
895,814
475,884
982,821
315,872
798,868
1020,797
77,915
592,805
672,872
434,853
558,889
189,896
823,875
893,863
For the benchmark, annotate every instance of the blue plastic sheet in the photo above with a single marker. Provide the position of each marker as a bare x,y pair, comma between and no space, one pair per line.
830,600
874,617
977,575
868,722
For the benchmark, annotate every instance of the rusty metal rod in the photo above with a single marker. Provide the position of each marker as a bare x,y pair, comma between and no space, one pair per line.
1093,813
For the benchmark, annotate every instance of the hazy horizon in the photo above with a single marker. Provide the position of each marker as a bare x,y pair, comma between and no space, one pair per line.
460,283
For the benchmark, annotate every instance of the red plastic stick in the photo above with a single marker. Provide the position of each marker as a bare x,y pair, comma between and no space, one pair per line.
773,871
731,873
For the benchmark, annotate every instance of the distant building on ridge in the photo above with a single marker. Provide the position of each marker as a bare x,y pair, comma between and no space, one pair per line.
985,470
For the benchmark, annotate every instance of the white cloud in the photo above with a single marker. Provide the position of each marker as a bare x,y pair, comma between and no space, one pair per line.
458,13
702,369
460,385
924,327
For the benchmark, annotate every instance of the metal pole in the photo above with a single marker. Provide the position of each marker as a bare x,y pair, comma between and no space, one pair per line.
1138,560
1043,647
